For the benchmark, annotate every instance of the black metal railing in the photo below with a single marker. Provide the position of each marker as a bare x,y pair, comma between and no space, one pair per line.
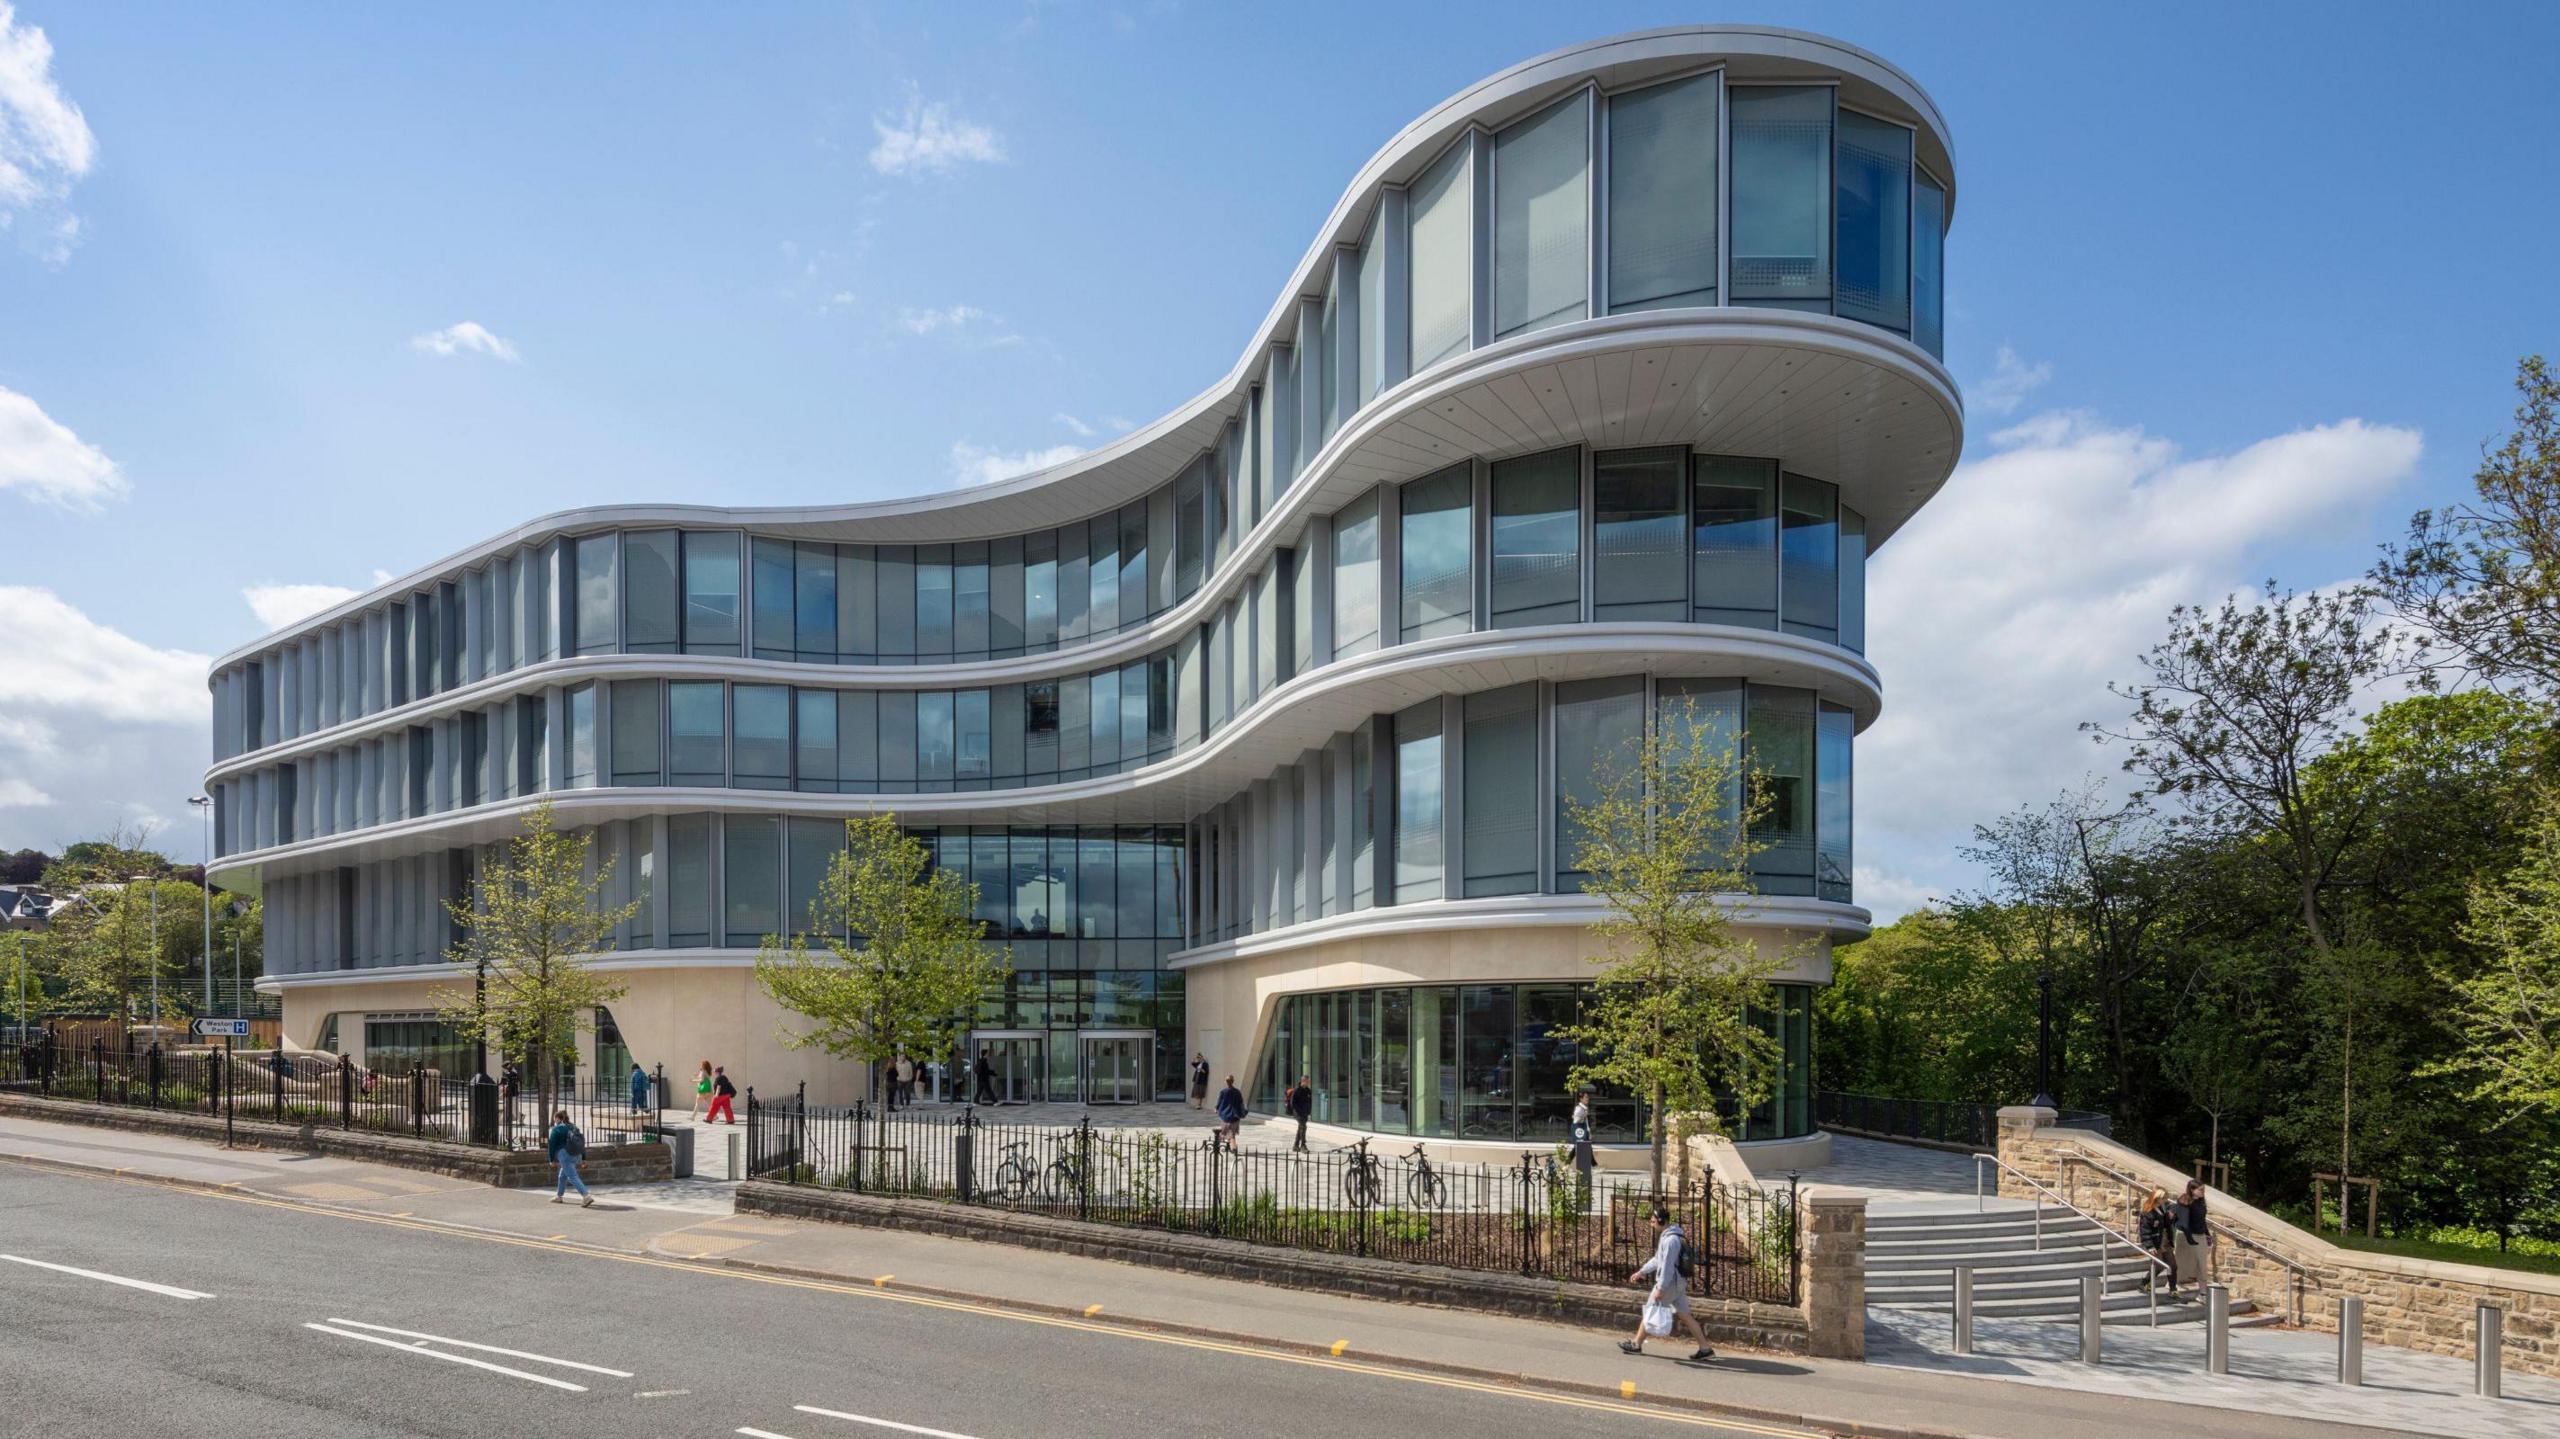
1536,1217
325,1091
1961,1122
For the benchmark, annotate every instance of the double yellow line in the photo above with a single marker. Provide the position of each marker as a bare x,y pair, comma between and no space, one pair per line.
959,1306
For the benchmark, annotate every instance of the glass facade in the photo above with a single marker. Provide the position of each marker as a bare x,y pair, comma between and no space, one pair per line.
1489,1062
1662,195
1542,219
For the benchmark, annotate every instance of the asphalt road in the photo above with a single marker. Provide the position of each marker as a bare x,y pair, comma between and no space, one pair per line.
324,1324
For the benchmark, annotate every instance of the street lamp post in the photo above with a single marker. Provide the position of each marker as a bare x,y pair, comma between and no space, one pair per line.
2044,1043
205,804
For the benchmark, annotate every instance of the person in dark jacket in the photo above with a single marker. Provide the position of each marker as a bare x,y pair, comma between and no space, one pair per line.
1199,1080
2195,1236
1584,1161
724,1096
2156,1227
1302,1107
639,1088
986,1081
567,1146
1230,1110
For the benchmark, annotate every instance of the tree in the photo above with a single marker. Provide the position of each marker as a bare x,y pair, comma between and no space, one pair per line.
2214,1056
102,947
1667,842
2239,704
2483,579
2509,1012
892,960
25,866
531,929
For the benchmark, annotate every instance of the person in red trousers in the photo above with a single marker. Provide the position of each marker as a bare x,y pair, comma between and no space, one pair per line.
722,1092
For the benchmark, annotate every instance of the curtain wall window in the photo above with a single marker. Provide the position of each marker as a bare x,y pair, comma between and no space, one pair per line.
1809,558
1704,715
1832,866
1356,577
760,736
858,604
636,724
1440,249
1853,579
581,704
1190,529
1929,265
1040,591
1735,505
1537,539
969,582
813,846
751,878
1434,531
711,578
596,598
934,740
857,741
1779,725
697,744
1418,803
814,603
1599,739
1874,248
933,602
1372,349
1639,535
774,600
1542,219
1364,829
1662,195
1781,194
688,880
814,740
1501,791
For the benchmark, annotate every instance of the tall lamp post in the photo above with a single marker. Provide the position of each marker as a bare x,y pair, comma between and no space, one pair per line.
204,803
155,952
2044,1043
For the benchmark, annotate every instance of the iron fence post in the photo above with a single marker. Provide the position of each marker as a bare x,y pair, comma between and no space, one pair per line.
755,1134
154,1062
964,1147
1084,1167
98,1070
346,1092
1707,1229
1527,1215
1795,1244
214,1063
1361,1195
417,1099
853,1165
800,1133
275,1066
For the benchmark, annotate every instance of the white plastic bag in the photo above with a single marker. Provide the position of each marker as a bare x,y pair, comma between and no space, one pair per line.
1658,1318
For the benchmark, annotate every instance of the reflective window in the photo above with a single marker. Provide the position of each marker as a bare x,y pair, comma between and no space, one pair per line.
1929,264
1501,809
1372,350
1704,715
1190,529
1781,193
814,621
1833,727
760,736
1542,219
1355,577
697,750
897,588
1853,579
1662,196
1779,737
897,742
1328,383
1133,563
775,599
636,723
596,628
972,749
814,844
1736,508
1418,804
858,604
1640,537
1599,738
1537,539
1441,253
688,880
1102,574
814,739
935,740
1075,583
1103,691
751,878
1005,611
1874,252
1040,590
1434,531
1809,558
857,741
1364,809
582,737
1040,731
969,600
933,602
710,593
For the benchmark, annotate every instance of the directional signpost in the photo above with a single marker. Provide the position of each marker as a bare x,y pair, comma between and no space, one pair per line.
229,1031
222,1029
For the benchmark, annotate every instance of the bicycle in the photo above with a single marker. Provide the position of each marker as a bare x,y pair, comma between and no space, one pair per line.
1015,1174
1362,1187
1066,1176
1424,1186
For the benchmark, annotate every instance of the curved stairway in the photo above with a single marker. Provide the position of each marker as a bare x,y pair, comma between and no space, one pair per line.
2027,1263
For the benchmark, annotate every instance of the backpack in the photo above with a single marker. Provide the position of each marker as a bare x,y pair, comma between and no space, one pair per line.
576,1147
1680,1261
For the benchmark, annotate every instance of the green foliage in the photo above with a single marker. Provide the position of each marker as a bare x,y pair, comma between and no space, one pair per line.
1667,840
532,927
2509,1006
911,980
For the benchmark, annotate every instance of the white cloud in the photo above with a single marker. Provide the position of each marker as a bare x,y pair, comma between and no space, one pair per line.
95,726
978,465
279,605
2011,381
470,336
41,455
949,317
927,138
2048,564
45,144
1075,427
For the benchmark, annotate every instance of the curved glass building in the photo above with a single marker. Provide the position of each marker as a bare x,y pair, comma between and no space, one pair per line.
1593,394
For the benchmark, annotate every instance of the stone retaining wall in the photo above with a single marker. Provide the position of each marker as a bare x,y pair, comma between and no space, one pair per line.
504,1169
2413,1303
1761,1326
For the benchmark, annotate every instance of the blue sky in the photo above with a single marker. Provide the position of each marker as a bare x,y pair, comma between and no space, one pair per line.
2245,284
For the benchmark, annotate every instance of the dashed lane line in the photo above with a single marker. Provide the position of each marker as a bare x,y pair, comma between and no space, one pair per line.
406,1347
171,1291
878,1423
482,1348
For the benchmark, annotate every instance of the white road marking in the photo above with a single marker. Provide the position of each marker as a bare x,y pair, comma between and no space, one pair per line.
170,1290
660,1393
426,1353
762,1434
485,1348
880,1423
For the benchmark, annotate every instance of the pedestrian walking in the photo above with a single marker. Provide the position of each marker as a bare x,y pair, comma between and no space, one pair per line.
2156,1227
1230,1110
639,1088
2195,1237
986,1081
722,1094
1302,1107
567,1146
1667,1303
1199,1081
907,1080
702,1090
1584,1162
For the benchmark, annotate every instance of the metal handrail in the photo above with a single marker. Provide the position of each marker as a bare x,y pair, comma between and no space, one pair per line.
2302,1275
2106,1259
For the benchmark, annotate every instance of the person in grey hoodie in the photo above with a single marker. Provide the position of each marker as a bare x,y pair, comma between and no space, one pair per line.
1670,1286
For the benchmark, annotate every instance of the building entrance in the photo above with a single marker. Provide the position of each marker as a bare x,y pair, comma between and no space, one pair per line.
1016,1057
1116,1064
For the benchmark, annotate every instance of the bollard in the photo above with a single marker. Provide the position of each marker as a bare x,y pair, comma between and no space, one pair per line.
1964,1309
2492,1332
2350,1340
2092,1292
2217,1329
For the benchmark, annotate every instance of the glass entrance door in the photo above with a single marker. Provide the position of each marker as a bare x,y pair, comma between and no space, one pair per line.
1115,1067
1015,1059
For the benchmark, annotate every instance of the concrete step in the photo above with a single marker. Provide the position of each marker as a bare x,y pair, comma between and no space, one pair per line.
1962,1215
1952,1248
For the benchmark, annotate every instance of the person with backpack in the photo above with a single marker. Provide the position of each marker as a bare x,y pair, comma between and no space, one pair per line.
567,1146
639,1088
723,1093
1667,1302
1230,1111
1302,1107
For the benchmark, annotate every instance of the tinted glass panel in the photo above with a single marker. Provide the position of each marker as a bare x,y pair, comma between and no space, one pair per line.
1542,219
1537,539
815,587
1639,535
1809,558
636,724
1874,253
1435,529
1832,868
1599,738
1501,824
1355,577
1418,803
1737,541
775,602
814,739
711,581
596,623
688,880
1779,729
1929,265
751,878
1781,192
697,750
1853,579
1662,196
760,736
1441,246
934,739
